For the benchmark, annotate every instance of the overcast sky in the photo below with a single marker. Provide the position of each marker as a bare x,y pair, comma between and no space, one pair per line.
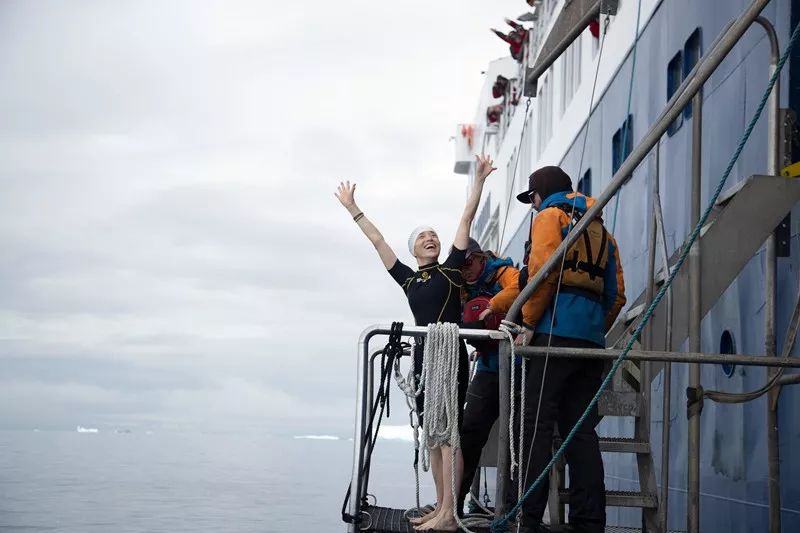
172,252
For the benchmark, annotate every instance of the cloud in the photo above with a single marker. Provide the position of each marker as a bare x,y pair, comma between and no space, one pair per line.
172,248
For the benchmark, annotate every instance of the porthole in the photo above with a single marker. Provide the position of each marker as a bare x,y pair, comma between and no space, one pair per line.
727,345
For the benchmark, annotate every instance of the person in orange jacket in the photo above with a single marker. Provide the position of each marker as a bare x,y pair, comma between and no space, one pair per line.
574,307
491,286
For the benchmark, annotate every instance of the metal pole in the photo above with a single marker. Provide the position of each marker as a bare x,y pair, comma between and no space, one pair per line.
657,355
728,38
693,477
770,290
641,427
370,403
666,407
504,488
354,507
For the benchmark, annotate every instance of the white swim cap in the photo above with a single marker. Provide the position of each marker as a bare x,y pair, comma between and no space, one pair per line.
414,234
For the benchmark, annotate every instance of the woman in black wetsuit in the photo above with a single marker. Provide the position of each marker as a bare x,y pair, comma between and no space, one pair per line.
433,292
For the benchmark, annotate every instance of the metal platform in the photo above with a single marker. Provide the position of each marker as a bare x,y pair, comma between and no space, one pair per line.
386,520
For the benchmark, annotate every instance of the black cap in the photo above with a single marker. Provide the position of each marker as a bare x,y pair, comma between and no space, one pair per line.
546,181
473,247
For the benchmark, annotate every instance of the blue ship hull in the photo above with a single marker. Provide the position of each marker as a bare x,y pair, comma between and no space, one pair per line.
733,462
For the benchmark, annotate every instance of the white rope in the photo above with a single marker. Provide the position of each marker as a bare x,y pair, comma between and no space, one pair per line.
440,381
516,457
520,485
513,454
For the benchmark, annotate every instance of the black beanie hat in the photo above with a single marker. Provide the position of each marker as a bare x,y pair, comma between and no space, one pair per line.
546,181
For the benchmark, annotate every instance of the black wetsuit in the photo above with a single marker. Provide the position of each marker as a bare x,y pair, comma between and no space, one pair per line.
434,295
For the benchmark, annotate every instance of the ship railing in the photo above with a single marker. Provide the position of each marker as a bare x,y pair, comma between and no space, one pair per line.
365,391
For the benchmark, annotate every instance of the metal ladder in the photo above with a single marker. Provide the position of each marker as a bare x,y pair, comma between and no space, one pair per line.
738,218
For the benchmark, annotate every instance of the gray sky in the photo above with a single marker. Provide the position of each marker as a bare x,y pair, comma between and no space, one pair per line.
172,253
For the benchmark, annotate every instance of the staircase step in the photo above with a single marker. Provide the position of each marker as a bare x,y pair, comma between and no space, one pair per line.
745,215
621,498
623,445
620,529
617,445
616,403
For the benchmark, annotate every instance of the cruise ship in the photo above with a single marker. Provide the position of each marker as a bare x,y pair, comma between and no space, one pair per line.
644,104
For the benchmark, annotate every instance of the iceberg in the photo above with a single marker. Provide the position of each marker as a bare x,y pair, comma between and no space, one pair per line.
404,433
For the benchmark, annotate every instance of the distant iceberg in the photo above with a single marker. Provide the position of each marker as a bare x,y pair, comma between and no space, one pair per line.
396,433
317,437
82,429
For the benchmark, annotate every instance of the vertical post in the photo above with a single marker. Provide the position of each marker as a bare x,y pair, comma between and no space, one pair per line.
354,508
370,403
666,408
693,478
647,475
503,458
770,291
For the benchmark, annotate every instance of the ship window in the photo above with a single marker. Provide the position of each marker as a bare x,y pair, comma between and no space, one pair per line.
621,144
585,183
570,72
545,115
674,79
691,55
727,345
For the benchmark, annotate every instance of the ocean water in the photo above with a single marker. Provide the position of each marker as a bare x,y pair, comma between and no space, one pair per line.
67,481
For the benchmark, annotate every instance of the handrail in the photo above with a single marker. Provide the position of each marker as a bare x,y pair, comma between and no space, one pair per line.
694,82
607,354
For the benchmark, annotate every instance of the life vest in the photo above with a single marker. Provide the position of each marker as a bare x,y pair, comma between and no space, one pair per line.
473,309
586,260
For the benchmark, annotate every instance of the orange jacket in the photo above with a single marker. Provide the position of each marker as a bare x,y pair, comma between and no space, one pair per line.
508,278
582,319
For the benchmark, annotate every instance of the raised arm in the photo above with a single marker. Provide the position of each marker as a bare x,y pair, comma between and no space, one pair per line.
345,193
483,169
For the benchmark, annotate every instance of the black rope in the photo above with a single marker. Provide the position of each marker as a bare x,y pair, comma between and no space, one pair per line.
694,401
393,350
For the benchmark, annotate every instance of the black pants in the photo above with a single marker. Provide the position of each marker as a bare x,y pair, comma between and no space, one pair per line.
463,378
480,413
569,386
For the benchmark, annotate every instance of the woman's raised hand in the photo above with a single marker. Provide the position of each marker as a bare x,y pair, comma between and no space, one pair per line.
345,193
484,166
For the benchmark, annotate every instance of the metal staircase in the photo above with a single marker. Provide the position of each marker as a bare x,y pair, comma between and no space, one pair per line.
743,219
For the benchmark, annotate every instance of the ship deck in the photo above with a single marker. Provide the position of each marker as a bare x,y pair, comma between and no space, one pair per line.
386,520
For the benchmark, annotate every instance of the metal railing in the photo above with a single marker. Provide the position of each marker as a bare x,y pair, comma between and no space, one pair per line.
365,385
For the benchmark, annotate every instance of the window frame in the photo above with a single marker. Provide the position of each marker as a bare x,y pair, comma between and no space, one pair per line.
675,68
692,52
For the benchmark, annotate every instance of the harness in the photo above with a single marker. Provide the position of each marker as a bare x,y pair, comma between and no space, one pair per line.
584,269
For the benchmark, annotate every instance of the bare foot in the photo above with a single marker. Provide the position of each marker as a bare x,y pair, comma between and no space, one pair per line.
424,518
443,522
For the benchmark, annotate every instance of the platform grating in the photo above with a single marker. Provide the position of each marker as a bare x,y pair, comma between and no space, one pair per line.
386,520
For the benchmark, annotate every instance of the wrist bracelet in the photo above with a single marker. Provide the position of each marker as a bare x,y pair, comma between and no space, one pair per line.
358,217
